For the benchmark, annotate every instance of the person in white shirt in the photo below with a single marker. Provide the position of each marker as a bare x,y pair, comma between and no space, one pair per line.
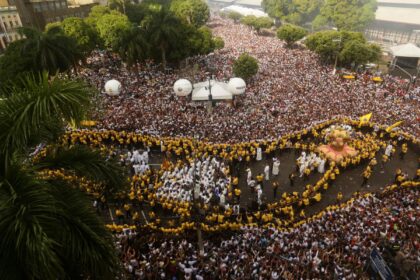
259,154
388,150
276,167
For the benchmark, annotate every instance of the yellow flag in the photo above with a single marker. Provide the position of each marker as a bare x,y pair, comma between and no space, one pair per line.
365,118
389,128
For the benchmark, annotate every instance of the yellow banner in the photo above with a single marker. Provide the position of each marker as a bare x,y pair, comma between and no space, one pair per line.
391,127
365,118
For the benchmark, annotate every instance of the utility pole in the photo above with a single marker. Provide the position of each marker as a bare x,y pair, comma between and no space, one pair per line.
210,106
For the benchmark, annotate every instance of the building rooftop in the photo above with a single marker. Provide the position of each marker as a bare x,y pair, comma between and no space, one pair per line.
4,3
399,2
255,3
400,15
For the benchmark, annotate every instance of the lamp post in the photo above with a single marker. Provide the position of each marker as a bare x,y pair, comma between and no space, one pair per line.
337,52
210,104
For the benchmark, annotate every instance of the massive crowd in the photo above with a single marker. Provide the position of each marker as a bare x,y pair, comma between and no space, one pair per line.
314,250
292,90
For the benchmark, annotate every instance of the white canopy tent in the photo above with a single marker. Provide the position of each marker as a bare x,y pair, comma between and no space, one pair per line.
219,91
406,50
244,11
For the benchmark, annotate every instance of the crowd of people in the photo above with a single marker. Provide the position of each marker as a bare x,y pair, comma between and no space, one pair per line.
208,175
292,90
315,250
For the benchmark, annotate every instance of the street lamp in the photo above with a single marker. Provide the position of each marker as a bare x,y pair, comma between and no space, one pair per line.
210,103
337,52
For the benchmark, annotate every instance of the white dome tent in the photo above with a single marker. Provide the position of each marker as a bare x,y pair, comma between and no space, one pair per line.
218,90
182,87
113,87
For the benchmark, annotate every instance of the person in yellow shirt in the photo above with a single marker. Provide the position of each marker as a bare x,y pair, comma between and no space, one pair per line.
275,187
235,181
127,208
404,150
366,175
260,178
339,196
237,192
120,215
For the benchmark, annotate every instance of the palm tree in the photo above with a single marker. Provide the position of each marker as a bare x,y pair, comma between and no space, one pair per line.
161,27
52,50
133,46
48,227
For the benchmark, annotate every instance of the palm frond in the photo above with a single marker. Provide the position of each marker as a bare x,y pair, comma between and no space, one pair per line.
27,210
49,230
35,104
87,163
89,245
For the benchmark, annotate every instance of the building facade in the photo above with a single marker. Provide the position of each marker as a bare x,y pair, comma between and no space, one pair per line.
9,23
396,22
38,13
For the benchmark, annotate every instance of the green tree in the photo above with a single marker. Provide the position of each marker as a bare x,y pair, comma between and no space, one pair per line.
163,32
48,225
328,44
356,53
245,66
218,43
291,33
263,22
136,12
235,16
257,22
111,26
202,41
118,5
348,47
13,63
96,13
293,11
86,37
132,46
347,15
195,12
52,50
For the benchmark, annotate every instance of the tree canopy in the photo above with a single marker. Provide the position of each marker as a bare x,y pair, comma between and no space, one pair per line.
111,26
257,22
291,33
343,14
85,35
346,15
48,224
245,66
235,16
51,51
350,47
195,12
293,11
